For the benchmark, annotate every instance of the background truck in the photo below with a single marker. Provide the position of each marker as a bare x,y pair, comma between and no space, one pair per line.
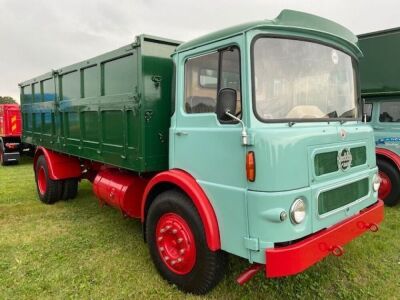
246,141
380,87
11,146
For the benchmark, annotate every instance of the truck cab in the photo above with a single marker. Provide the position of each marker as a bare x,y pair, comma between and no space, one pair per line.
307,162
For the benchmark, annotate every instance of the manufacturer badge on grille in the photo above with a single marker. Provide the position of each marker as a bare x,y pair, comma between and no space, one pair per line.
344,159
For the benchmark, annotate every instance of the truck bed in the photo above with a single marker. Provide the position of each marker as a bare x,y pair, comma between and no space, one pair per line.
380,66
114,108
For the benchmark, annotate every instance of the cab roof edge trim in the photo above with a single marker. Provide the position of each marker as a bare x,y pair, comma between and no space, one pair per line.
287,19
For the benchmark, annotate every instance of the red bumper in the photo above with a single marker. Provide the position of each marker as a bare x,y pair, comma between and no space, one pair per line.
296,258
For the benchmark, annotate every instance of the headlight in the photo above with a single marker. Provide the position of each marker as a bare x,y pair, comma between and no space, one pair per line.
376,182
298,211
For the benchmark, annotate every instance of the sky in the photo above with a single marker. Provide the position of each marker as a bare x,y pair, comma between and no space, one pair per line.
37,36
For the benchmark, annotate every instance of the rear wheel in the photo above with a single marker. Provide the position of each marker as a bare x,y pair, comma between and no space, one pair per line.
69,188
178,246
389,191
2,161
49,190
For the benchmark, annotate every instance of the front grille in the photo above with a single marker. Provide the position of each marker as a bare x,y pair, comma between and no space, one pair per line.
359,155
341,196
327,162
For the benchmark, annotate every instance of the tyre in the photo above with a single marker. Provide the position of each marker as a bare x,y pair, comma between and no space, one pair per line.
178,247
389,191
2,162
69,188
49,190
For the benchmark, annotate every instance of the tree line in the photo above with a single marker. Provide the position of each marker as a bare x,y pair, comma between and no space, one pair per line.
7,100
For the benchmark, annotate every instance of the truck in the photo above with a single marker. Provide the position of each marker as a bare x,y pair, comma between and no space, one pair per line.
246,141
380,89
10,134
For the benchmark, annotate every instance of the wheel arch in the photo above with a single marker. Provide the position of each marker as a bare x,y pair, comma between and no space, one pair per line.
389,156
183,181
60,166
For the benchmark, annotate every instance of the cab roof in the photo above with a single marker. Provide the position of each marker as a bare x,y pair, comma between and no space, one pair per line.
291,21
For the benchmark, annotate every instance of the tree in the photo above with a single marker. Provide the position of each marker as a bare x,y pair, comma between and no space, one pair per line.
7,100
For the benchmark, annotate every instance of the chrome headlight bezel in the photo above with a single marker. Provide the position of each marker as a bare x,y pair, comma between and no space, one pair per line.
298,211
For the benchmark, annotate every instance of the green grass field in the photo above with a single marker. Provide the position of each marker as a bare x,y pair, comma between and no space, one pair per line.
76,249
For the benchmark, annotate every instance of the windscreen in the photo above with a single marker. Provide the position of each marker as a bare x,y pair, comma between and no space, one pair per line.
296,79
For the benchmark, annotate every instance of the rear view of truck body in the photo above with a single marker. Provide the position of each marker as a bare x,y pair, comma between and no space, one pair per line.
10,133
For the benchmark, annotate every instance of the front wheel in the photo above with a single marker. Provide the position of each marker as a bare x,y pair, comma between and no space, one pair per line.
389,191
178,247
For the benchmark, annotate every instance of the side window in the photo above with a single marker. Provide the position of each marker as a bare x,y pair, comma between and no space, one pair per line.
368,111
201,77
389,112
206,75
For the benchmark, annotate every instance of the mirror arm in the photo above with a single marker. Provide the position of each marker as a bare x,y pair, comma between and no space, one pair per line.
363,110
244,131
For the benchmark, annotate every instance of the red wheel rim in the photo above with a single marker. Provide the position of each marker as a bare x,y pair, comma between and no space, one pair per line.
175,242
42,182
385,187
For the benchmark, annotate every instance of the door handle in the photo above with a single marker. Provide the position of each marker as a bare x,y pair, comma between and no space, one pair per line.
181,133
378,127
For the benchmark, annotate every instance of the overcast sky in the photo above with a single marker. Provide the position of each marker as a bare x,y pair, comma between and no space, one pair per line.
36,36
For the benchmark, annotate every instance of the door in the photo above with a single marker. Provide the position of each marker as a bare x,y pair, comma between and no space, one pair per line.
207,149
387,125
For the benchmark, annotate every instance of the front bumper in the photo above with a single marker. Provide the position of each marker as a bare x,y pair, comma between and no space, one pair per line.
293,259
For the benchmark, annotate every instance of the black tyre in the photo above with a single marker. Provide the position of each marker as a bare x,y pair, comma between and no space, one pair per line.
49,190
69,188
178,246
2,162
389,190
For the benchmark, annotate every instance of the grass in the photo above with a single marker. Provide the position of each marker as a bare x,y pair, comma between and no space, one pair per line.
76,249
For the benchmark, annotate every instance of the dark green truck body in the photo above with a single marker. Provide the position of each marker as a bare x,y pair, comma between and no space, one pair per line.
90,110
380,66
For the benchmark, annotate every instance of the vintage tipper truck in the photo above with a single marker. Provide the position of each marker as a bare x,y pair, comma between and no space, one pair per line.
10,133
246,141
380,88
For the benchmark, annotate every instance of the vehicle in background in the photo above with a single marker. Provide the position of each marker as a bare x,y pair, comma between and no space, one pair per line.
380,87
246,141
11,146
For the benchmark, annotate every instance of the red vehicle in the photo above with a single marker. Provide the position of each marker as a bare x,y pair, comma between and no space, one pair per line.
10,134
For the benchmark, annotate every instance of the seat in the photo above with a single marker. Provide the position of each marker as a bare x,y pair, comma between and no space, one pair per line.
197,104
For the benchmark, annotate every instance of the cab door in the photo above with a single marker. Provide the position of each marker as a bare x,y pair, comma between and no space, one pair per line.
207,149
387,124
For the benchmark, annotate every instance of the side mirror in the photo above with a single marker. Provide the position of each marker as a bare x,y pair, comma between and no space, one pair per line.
226,102
364,111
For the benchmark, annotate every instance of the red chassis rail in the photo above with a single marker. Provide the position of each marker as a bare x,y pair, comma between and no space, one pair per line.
296,258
